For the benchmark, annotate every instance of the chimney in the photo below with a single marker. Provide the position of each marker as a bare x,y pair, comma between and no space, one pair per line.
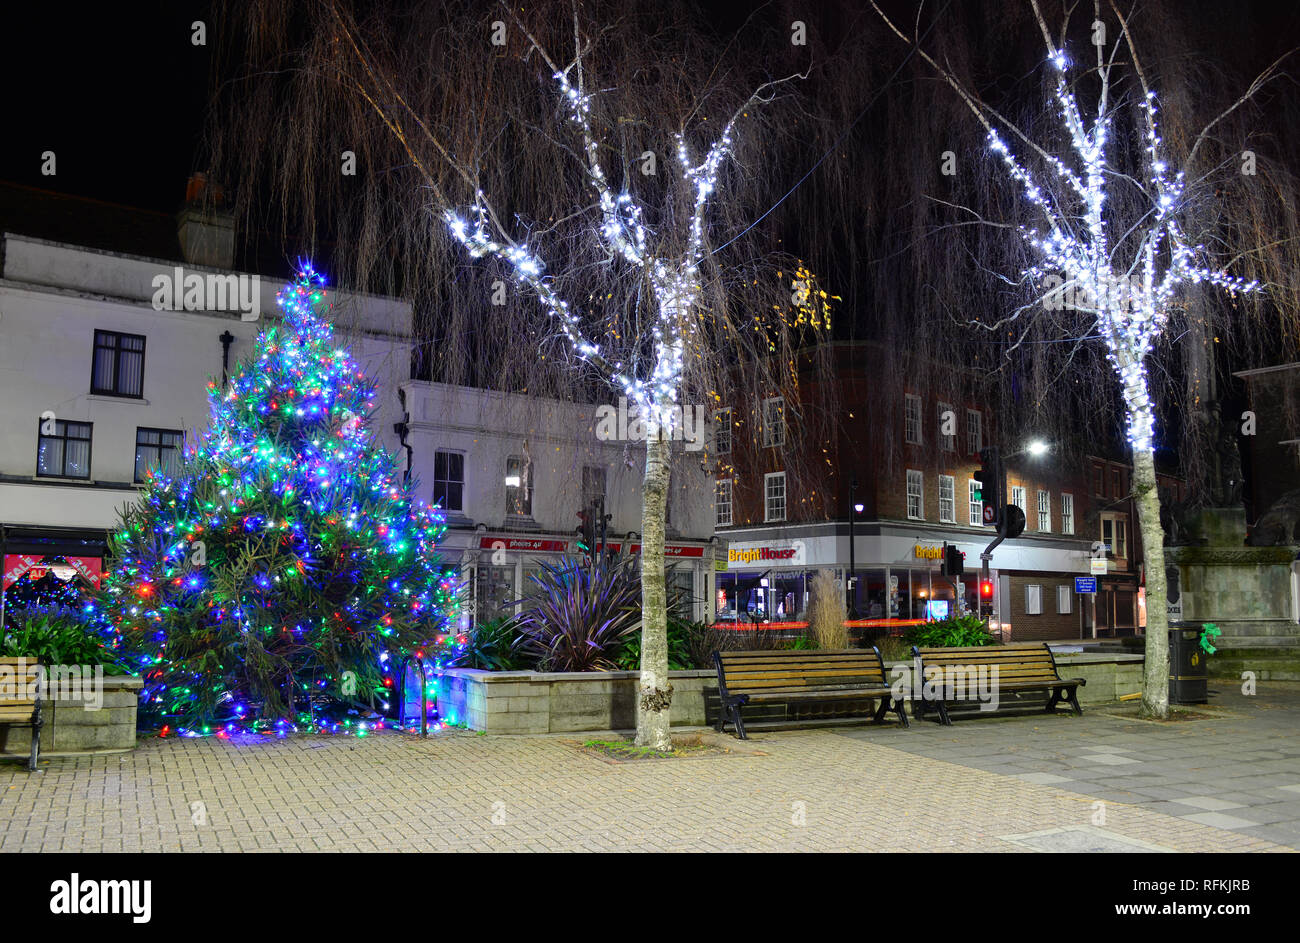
206,229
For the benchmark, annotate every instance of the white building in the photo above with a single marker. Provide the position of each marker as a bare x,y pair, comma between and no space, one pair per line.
513,472
96,383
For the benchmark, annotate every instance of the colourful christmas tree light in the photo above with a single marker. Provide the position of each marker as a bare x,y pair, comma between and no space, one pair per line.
286,562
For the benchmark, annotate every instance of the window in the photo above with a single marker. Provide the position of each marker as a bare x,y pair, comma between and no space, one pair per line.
976,505
1114,534
1116,484
1018,496
519,486
159,449
722,431
722,502
947,442
1044,511
974,431
118,365
947,499
774,497
1033,599
65,452
449,480
1063,600
1099,481
912,419
593,486
1067,513
773,421
915,491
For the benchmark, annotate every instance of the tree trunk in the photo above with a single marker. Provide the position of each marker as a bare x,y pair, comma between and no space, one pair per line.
655,691
1155,677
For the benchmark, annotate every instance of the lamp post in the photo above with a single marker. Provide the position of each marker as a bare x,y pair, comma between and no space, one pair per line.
854,510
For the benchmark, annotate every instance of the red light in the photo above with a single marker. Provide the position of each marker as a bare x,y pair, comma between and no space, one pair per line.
986,589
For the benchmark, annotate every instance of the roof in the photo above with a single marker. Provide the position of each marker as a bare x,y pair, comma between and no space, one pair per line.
82,221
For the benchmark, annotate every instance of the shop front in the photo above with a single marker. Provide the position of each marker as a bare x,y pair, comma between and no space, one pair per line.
497,570
896,577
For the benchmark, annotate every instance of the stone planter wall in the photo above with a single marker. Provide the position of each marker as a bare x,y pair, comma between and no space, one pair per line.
560,702
71,729
532,702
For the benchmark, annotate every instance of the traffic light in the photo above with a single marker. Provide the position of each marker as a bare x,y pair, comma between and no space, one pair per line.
986,590
1013,521
586,532
989,478
954,561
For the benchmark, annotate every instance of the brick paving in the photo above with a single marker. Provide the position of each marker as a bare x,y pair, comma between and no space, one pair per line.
979,786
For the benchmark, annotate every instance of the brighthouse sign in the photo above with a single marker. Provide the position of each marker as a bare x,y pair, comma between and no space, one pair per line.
748,556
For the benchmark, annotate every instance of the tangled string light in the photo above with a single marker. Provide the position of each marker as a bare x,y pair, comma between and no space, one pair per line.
287,535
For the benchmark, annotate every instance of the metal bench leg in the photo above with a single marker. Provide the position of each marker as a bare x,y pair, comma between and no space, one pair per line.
36,749
740,724
721,724
898,709
943,714
1053,701
879,716
1073,695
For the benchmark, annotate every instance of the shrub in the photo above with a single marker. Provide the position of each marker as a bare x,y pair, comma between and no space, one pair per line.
578,617
59,635
958,632
826,613
488,646
679,647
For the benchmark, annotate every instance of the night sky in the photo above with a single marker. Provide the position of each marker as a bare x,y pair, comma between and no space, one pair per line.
116,90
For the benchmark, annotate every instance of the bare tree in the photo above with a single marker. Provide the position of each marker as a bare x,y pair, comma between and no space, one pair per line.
1108,231
640,269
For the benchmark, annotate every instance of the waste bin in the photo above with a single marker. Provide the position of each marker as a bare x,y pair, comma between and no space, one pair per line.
1188,668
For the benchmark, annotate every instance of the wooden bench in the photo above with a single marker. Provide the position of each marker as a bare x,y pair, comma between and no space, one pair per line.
20,700
801,677
1020,668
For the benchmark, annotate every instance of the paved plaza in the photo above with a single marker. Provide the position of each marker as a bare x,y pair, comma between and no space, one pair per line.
1104,782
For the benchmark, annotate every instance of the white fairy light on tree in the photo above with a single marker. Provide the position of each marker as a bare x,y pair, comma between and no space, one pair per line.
1111,237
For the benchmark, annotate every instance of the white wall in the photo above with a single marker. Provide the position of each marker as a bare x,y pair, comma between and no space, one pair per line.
560,438
53,298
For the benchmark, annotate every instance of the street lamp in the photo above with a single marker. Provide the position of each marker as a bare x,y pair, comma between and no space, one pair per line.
855,508
1037,447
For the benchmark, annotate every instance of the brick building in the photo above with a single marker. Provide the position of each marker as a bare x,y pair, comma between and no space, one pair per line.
903,444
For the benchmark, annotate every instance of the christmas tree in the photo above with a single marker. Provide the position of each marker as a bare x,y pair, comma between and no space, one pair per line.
285,563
